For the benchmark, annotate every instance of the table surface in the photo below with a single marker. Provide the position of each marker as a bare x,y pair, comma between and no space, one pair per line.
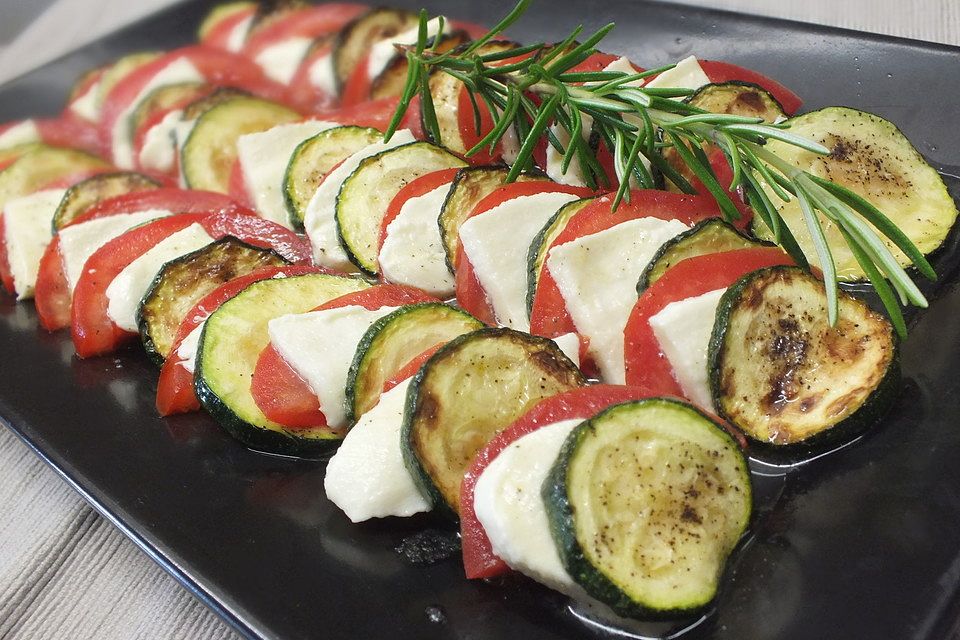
65,572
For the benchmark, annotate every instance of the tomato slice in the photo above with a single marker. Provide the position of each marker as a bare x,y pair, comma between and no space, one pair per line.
646,364
280,392
70,132
175,392
237,186
420,186
549,316
302,93
719,71
471,295
357,87
479,561
93,331
309,22
51,295
378,114
218,37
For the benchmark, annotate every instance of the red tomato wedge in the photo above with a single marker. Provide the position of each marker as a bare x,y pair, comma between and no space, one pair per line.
306,22
70,132
418,187
218,36
237,186
378,114
51,295
549,316
725,72
94,333
175,389
6,275
280,392
357,87
302,93
470,293
479,561
645,363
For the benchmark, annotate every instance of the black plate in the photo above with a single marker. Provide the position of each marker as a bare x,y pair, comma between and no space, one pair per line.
862,543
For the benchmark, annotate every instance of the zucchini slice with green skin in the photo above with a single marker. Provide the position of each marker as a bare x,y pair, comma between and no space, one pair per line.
93,190
183,282
232,339
469,187
167,97
646,501
390,82
542,241
314,158
204,103
354,40
872,158
707,236
467,392
219,13
787,379
119,70
210,150
365,195
42,165
393,341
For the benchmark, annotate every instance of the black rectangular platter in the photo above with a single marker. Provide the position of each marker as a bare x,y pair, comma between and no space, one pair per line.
862,543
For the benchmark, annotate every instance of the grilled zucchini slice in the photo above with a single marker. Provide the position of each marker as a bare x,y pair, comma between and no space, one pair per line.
210,150
89,192
314,158
542,241
42,165
390,82
645,503
183,282
232,339
167,97
708,236
393,341
787,379
470,186
354,40
367,192
872,158
466,393
119,70
219,13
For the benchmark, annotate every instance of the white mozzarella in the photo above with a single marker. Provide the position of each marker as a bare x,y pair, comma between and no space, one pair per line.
319,346
510,145
158,151
574,175
27,228
413,252
79,241
597,278
623,65
127,289
683,329
367,477
86,105
688,74
569,343
187,351
264,156
508,504
238,35
382,52
23,132
178,71
280,61
497,241
323,75
320,218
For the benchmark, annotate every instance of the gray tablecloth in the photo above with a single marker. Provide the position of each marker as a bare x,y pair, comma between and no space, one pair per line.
65,572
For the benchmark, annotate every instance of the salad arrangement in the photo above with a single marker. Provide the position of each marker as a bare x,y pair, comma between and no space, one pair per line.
644,265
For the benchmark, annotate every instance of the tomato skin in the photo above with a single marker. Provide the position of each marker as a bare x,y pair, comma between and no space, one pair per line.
312,22
167,198
175,391
51,295
357,87
719,71
549,316
301,92
6,275
418,187
377,114
237,185
479,561
71,132
645,363
218,37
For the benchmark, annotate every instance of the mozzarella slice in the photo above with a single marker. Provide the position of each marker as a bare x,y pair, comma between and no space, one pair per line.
264,156
280,61
238,35
319,346
574,175
86,105
412,251
23,132
497,241
187,351
180,70
508,504
683,329
623,65
569,343
158,151
320,217
323,75
597,277
688,74
367,477
382,52
128,288
27,227
79,241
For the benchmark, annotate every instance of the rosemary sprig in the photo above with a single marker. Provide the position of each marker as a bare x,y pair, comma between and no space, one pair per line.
637,124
